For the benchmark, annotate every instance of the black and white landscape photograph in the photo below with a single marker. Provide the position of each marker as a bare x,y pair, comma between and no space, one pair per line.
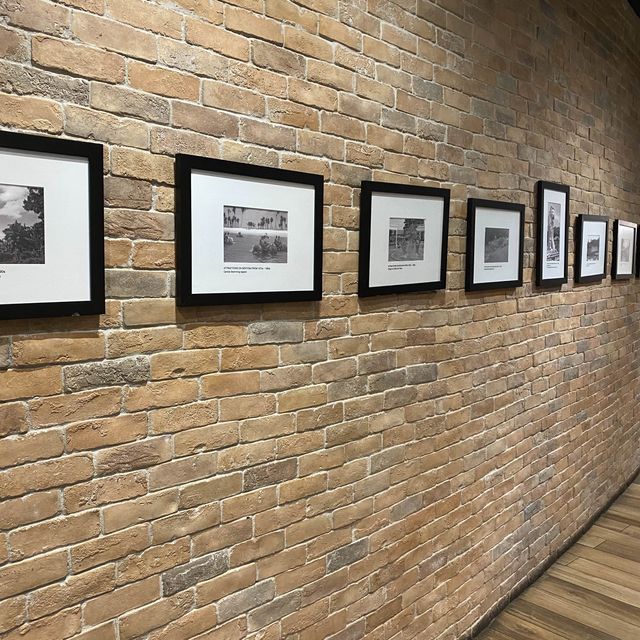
21,224
406,239
496,245
553,232
593,248
625,250
255,235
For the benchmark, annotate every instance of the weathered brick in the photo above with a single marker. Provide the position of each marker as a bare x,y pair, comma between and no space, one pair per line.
188,575
136,455
237,603
109,372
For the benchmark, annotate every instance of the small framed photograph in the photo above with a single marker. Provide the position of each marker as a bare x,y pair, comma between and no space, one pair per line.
553,234
51,227
591,248
246,233
625,236
495,238
404,231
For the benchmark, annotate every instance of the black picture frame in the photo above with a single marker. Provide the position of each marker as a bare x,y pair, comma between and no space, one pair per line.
473,260
616,273
543,191
581,261
21,149
258,176
366,284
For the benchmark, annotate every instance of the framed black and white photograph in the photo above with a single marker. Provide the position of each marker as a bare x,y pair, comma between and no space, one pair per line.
591,248
246,233
495,238
624,249
403,238
553,234
51,227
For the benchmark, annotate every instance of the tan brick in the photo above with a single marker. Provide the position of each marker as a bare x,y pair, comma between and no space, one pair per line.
153,255
182,471
136,455
126,102
45,475
123,599
184,363
302,398
153,560
42,537
161,394
30,574
77,59
87,123
38,16
230,384
156,615
123,343
204,120
214,336
62,625
107,548
229,583
13,45
57,349
250,24
147,17
104,491
181,418
254,357
29,509
230,98
25,112
13,419
247,407
110,35
185,523
131,163
209,438
105,432
117,253
216,38
139,313
248,503
75,406
13,612
31,447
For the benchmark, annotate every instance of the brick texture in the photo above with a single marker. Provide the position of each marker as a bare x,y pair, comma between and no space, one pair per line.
385,468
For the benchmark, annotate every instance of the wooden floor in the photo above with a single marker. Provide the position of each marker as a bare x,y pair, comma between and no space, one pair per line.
592,591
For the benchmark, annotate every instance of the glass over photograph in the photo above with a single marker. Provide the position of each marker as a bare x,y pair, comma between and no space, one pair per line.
625,250
21,224
553,232
254,235
406,239
496,245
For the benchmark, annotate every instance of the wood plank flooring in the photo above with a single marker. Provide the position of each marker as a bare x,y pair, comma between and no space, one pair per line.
592,591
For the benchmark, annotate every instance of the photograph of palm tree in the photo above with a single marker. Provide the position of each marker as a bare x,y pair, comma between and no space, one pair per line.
21,224
255,235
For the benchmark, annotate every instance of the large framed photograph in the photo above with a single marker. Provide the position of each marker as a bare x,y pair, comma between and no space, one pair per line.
495,238
625,236
246,233
553,234
591,248
403,238
51,227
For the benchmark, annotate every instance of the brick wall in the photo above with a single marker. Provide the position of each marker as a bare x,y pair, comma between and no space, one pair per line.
381,468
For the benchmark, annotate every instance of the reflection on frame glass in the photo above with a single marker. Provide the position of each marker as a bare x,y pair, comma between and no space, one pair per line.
51,227
552,234
624,249
404,231
495,238
246,233
591,248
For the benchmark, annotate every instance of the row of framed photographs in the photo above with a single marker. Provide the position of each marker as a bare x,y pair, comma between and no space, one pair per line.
246,233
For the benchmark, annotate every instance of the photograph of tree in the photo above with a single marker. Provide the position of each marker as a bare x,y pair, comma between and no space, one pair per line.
625,250
496,245
21,224
255,235
406,239
593,248
553,232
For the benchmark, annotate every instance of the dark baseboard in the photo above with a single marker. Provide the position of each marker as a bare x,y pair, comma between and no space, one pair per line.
488,617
